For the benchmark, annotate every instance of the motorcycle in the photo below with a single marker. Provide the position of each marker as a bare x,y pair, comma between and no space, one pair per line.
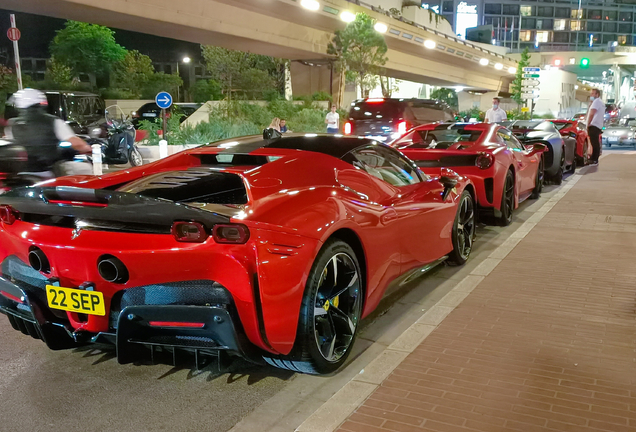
14,160
119,147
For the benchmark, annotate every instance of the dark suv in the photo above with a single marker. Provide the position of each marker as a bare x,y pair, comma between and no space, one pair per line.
82,111
150,111
387,119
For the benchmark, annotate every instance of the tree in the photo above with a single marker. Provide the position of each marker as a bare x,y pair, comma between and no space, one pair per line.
360,51
516,84
242,72
133,72
449,96
159,82
206,90
86,48
58,75
389,85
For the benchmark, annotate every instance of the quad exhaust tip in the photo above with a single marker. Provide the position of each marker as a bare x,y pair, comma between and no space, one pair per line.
111,269
39,261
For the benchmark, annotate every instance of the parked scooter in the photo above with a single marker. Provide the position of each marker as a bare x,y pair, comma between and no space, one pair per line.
119,147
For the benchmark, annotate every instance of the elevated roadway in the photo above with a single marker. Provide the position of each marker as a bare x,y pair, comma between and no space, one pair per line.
283,28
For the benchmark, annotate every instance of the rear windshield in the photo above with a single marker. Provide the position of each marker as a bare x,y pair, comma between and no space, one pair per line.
530,125
377,110
196,186
84,107
426,112
438,139
560,126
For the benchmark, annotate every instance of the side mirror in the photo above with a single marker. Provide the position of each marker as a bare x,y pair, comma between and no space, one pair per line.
536,148
572,134
449,182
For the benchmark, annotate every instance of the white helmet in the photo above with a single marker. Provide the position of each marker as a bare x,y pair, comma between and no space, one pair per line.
29,97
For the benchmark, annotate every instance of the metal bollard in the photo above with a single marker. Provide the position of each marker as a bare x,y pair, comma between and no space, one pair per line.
163,149
97,159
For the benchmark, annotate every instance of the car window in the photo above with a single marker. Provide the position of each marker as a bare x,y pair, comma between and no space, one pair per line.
385,164
510,140
376,110
82,108
430,114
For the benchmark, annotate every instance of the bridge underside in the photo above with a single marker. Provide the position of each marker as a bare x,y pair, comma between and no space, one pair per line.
256,26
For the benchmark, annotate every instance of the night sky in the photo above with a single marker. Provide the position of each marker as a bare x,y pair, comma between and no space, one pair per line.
41,31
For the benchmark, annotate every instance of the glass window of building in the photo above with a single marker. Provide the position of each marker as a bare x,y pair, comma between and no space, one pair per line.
607,38
544,24
576,25
593,26
526,11
492,8
610,15
625,16
594,14
448,6
559,24
609,27
625,28
576,14
543,36
562,12
528,23
545,11
526,35
622,39
561,37
509,9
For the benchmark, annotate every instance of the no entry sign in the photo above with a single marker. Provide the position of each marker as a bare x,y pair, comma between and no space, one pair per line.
13,34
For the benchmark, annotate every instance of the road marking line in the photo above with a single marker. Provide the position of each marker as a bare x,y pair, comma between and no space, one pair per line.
336,409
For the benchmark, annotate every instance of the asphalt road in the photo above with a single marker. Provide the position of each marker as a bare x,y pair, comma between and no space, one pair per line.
86,389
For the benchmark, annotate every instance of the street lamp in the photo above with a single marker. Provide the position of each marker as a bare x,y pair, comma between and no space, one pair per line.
185,60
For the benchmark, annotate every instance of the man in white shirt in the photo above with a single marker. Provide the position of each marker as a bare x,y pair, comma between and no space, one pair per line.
595,118
333,121
495,114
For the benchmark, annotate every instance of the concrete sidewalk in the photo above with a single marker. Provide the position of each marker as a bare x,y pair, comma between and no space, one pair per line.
540,336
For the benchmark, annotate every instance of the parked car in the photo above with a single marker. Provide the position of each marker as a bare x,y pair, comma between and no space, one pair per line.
611,113
267,249
560,155
620,134
151,111
503,171
387,119
577,130
580,117
82,111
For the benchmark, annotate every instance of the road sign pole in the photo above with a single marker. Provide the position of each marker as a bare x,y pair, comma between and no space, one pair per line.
163,131
16,51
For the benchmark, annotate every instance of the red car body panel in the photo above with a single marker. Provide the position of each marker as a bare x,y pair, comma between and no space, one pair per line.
583,146
295,204
524,163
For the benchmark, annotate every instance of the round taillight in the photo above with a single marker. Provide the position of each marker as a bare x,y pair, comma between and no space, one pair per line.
484,160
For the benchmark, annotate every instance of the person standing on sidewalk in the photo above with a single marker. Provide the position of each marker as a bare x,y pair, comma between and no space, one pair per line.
495,114
595,116
332,121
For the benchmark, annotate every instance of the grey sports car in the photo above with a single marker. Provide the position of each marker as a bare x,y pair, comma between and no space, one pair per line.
621,134
560,156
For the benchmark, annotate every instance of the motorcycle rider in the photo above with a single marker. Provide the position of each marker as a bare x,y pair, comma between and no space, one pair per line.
41,133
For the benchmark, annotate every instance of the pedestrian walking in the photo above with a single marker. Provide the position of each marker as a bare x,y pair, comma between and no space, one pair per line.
495,114
594,120
332,121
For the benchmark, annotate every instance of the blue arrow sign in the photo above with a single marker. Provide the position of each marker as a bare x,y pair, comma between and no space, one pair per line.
531,69
163,100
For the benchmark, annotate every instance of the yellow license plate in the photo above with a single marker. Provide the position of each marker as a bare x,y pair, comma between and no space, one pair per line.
75,300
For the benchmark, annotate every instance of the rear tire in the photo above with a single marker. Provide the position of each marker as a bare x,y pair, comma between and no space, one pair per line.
463,230
329,314
507,200
557,179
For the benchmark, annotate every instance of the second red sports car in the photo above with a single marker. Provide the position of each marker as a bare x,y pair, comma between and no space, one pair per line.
504,171
576,129
262,248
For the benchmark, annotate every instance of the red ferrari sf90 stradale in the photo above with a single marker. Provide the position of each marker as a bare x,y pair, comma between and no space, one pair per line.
504,171
266,249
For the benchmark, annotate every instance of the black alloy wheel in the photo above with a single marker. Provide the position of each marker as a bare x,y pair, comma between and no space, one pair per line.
330,312
507,200
538,180
463,230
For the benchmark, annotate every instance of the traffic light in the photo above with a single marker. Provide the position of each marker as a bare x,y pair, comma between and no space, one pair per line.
585,63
